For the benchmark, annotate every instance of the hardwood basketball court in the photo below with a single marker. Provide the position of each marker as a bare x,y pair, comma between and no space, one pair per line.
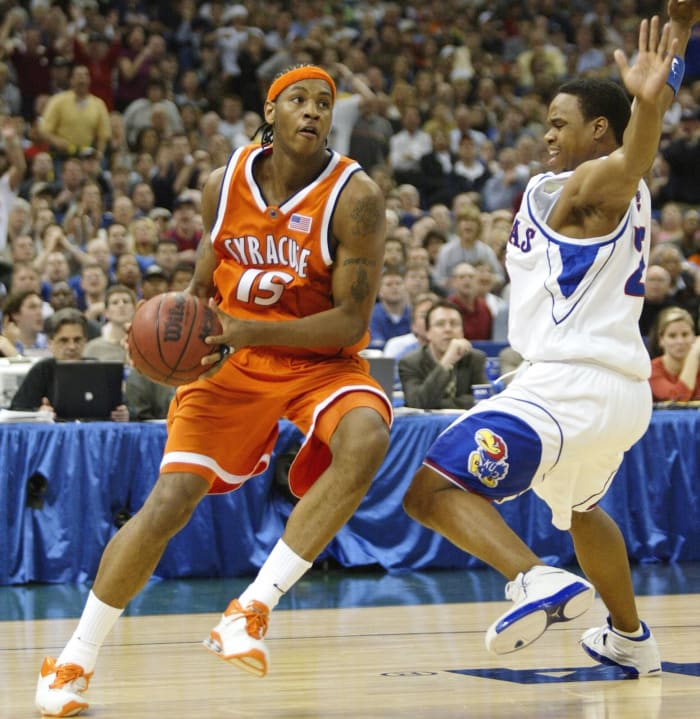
401,660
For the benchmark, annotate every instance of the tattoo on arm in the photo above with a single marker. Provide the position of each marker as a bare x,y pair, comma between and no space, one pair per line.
366,216
360,261
360,286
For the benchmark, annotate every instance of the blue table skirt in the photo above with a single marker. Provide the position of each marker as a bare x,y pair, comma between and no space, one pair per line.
95,472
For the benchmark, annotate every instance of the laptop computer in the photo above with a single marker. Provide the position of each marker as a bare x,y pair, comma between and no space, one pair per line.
382,369
87,389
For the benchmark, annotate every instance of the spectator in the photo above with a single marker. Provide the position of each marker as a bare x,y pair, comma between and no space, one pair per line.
120,305
181,276
127,272
683,157
440,374
369,140
76,119
416,280
87,216
12,169
20,219
477,321
466,246
541,65
154,282
101,57
54,239
123,211
10,97
41,175
144,234
407,147
438,183
675,374
249,132
177,171
463,128
67,339
657,297
503,190
166,254
146,400
143,199
397,347
391,315
591,58
683,275
26,277
72,179
138,115
135,62
21,249
690,242
62,295
56,269
671,224
471,172
409,205
161,216
485,283
30,58
119,242
23,323
185,230
352,92
231,111
92,285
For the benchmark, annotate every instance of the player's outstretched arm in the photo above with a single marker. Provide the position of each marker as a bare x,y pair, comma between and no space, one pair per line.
609,183
653,81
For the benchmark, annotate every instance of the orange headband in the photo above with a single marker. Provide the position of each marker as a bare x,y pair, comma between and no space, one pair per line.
308,72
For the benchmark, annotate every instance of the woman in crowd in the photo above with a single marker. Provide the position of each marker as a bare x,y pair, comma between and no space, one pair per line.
674,374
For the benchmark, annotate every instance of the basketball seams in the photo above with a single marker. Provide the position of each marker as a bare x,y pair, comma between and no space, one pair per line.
147,338
194,306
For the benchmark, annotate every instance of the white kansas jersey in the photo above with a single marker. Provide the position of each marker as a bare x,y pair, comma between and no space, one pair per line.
578,300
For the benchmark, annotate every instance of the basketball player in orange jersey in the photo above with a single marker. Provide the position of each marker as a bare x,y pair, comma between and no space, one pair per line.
293,254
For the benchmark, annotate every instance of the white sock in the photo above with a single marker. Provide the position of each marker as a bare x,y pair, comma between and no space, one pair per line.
95,624
281,571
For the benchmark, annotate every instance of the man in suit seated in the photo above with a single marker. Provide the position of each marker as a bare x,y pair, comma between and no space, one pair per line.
440,374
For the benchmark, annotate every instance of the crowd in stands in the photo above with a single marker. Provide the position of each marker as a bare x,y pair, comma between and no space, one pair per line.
113,115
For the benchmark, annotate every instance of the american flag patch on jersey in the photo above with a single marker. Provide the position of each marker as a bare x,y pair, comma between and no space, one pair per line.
300,222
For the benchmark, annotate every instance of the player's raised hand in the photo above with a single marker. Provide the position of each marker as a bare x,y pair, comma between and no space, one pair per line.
647,77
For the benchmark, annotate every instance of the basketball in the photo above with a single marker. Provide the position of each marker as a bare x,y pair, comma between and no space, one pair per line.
166,337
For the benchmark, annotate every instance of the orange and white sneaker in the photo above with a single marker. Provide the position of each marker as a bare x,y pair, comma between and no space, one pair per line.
238,637
59,689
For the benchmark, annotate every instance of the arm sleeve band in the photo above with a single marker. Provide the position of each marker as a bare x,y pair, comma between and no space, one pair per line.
675,76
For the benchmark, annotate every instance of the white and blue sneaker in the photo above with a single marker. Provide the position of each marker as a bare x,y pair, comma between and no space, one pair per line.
543,595
636,656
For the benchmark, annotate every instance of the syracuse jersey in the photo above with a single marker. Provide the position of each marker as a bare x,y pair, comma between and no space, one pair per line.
578,299
275,262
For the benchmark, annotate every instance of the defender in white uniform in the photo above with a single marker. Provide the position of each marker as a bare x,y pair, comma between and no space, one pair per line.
576,258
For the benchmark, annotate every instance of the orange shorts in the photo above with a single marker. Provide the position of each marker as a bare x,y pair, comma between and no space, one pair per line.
224,428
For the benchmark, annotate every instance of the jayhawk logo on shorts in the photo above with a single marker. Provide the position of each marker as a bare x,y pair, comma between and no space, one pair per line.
488,462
